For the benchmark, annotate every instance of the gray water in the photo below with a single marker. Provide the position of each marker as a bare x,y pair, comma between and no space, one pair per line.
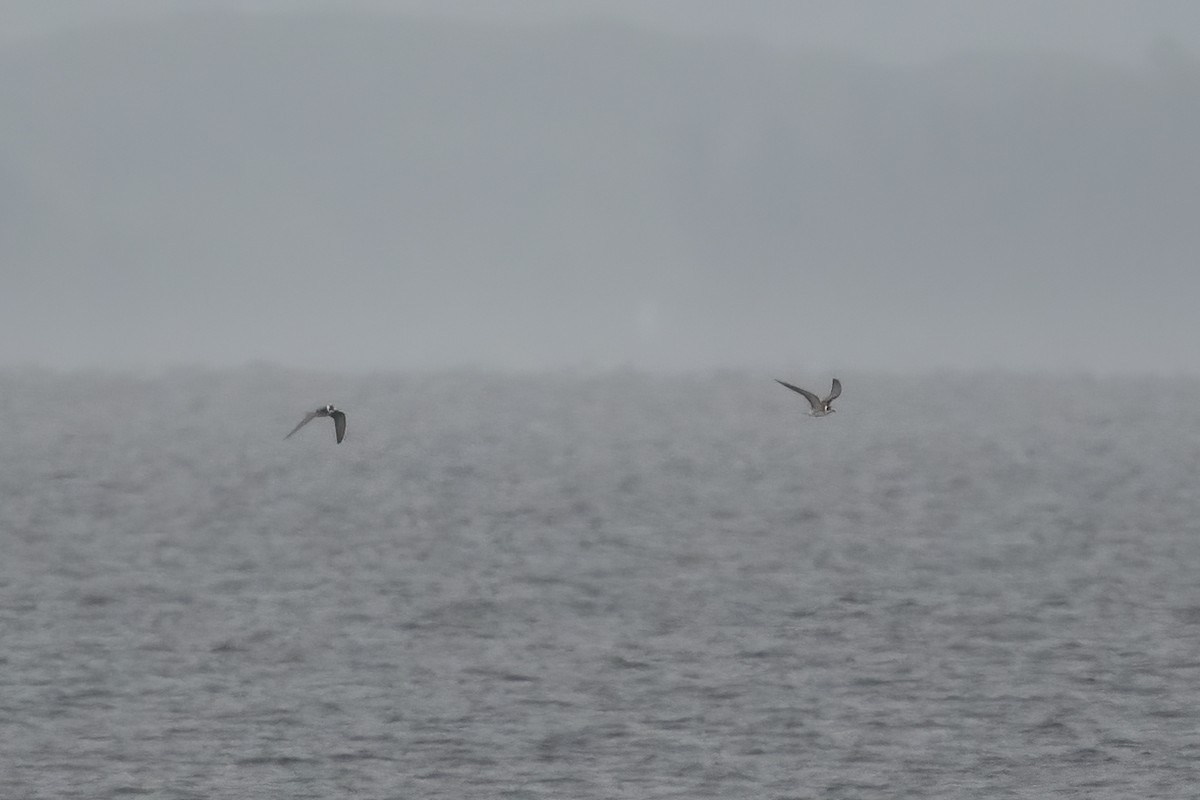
598,585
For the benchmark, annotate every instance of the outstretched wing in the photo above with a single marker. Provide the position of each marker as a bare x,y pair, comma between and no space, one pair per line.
309,417
812,399
339,425
835,392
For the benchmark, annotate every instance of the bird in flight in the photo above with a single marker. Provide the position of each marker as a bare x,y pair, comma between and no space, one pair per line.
339,421
820,407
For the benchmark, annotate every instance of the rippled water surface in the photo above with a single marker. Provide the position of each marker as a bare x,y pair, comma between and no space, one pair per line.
598,585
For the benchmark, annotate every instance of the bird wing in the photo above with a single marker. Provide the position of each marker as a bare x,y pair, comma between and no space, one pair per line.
309,417
339,425
835,392
812,399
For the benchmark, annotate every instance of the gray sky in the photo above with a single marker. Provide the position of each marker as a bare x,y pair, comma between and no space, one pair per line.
784,185
899,30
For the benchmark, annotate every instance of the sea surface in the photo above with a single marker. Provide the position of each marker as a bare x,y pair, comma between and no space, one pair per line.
600,584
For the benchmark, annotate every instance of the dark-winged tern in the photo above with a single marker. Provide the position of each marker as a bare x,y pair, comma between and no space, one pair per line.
819,407
339,421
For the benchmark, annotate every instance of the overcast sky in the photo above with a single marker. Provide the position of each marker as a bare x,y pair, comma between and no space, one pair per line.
872,185
902,30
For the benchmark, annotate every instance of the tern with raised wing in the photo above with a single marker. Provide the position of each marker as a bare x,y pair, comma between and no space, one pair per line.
339,421
820,406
